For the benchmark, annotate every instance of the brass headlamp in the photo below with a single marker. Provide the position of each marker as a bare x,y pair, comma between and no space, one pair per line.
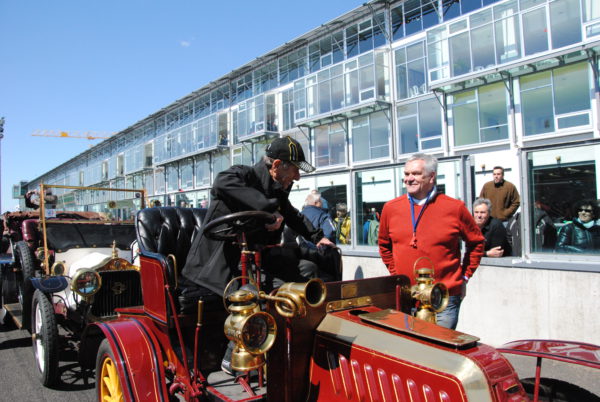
253,331
432,297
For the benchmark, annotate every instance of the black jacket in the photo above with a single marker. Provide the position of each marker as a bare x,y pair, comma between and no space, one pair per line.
495,235
212,263
576,238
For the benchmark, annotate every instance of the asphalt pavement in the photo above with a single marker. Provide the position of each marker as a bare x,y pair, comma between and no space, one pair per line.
19,377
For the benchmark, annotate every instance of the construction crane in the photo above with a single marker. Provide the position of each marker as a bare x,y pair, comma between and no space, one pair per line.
88,135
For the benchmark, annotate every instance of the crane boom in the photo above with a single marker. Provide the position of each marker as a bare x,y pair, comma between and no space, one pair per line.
89,135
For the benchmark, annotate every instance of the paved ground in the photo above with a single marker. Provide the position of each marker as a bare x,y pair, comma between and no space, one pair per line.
18,373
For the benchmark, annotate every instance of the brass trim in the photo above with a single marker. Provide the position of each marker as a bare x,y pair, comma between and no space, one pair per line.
349,290
346,304
433,359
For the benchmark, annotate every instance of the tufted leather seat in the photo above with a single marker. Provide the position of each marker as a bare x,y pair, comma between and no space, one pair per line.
171,230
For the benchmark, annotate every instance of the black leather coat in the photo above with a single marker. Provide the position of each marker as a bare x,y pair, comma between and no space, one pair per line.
211,263
576,238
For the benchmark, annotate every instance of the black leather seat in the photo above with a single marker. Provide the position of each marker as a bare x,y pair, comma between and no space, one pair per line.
171,231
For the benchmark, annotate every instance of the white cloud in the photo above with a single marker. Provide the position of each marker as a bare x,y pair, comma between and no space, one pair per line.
185,43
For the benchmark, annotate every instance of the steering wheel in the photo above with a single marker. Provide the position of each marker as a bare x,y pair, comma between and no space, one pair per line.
228,227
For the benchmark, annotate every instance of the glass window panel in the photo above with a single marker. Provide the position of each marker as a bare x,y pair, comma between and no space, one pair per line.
469,5
172,178
351,41
373,189
460,56
571,88
367,78
337,93
430,118
492,105
202,167
402,81
481,18
429,15
464,117
555,188
379,135
535,31
338,144
221,161
536,104
591,10
416,77
482,40
352,97
412,19
508,35
565,22
408,129
397,23
324,97
430,144
360,138
573,121
451,9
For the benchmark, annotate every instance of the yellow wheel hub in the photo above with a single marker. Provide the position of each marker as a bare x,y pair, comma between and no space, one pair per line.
110,386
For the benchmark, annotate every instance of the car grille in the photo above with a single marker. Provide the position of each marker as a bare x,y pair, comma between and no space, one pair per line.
119,289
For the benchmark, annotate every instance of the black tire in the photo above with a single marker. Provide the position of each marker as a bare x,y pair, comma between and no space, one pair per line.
8,293
45,338
552,390
24,286
108,383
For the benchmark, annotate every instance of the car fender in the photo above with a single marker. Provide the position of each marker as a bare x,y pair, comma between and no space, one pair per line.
138,356
575,363
50,284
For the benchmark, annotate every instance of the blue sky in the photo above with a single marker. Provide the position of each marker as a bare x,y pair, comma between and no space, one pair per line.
101,66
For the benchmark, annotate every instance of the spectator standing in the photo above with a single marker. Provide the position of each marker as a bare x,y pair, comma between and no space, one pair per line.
582,235
342,222
496,239
424,223
318,217
503,195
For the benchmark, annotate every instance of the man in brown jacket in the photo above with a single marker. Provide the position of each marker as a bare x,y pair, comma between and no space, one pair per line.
503,195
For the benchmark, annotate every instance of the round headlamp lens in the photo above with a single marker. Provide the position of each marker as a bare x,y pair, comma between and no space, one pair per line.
86,282
258,333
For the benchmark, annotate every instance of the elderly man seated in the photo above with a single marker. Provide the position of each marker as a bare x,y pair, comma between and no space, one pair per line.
496,239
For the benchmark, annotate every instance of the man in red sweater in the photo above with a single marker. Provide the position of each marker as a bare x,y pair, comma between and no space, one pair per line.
424,223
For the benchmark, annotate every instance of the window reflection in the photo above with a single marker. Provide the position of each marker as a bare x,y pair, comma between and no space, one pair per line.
558,180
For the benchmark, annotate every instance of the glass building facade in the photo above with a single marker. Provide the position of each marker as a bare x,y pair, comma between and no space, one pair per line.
478,83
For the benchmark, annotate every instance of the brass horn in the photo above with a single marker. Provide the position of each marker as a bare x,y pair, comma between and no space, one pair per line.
311,293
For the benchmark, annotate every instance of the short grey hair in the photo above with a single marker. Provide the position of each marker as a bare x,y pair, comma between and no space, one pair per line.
269,162
481,201
312,198
431,162
342,207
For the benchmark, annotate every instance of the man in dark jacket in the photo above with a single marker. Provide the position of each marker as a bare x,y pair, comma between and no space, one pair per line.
496,239
263,187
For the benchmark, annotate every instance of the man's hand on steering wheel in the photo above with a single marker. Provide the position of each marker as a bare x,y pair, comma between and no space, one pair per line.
275,225
325,242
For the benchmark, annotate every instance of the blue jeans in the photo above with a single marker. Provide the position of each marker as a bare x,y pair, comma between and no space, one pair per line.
449,317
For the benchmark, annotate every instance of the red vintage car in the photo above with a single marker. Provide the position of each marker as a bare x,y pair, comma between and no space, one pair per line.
352,340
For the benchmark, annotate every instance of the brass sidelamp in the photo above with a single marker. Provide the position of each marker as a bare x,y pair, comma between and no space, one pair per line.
431,297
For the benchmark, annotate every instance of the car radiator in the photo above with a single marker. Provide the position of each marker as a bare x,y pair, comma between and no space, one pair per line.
119,289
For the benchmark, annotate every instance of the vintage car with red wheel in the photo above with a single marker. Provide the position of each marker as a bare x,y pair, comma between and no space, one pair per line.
352,340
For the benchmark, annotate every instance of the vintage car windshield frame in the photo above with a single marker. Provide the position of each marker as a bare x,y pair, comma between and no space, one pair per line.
44,221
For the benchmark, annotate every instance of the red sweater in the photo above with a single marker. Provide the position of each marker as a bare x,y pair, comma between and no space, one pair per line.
443,224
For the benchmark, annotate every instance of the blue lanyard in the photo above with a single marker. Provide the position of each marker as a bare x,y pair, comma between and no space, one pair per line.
413,242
